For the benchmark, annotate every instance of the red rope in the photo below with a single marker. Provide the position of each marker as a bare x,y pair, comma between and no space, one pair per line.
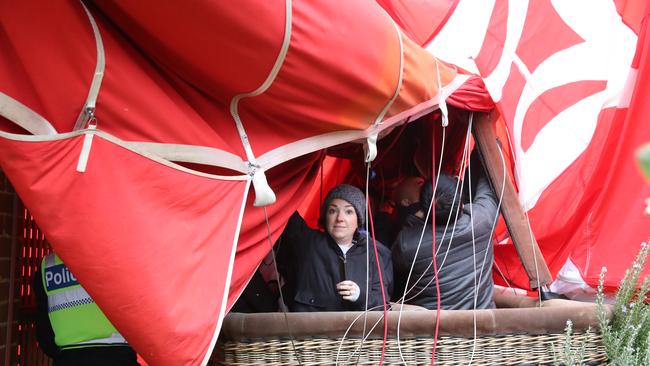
435,273
433,246
381,283
322,158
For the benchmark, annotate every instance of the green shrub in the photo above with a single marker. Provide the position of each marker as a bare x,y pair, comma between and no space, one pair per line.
571,356
627,337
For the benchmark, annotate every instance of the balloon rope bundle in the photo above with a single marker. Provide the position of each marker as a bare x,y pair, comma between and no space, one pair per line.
277,276
408,277
381,284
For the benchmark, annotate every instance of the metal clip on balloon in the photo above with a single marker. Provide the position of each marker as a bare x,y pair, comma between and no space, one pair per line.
88,120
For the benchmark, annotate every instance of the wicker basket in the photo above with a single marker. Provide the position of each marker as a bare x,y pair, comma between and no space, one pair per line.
504,336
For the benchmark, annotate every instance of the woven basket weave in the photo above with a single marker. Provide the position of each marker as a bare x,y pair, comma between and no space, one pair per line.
488,350
515,334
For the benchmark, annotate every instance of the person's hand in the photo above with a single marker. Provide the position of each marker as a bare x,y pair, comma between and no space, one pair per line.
348,290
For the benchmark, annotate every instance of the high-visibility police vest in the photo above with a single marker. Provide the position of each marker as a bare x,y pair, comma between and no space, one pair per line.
76,320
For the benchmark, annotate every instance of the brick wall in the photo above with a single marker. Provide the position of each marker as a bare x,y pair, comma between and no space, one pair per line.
7,240
22,240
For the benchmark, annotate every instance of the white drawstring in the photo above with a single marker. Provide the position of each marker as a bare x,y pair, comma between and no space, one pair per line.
471,215
277,276
408,278
444,233
365,312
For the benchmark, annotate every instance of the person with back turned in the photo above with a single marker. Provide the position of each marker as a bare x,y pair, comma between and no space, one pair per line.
464,255
70,327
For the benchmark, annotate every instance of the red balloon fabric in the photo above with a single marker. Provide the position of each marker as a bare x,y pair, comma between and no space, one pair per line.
139,235
568,87
148,202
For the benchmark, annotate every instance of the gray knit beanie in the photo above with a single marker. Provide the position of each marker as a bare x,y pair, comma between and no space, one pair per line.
448,198
351,194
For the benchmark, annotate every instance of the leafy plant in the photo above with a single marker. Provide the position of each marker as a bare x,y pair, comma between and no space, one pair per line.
571,356
627,337
643,155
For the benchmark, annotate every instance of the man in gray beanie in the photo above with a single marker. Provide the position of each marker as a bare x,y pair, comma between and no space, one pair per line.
327,271
464,249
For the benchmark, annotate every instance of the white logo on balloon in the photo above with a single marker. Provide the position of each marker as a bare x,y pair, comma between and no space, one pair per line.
605,55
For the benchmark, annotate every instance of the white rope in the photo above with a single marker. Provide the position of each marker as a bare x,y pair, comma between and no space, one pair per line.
496,218
464,160
371,144
365,312
444,233
408,278
338,352
471,215
277,276
460,185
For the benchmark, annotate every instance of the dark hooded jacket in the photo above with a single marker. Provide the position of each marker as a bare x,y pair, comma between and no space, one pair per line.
457,273
311,264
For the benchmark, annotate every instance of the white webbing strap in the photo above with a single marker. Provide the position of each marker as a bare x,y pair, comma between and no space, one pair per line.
34,123
155,152
86,117
203,155
88,111
371,142
24,117
264,195
442,104
85,151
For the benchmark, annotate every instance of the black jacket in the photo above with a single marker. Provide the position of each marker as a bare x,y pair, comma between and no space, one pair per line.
257,297
457,270
311,264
